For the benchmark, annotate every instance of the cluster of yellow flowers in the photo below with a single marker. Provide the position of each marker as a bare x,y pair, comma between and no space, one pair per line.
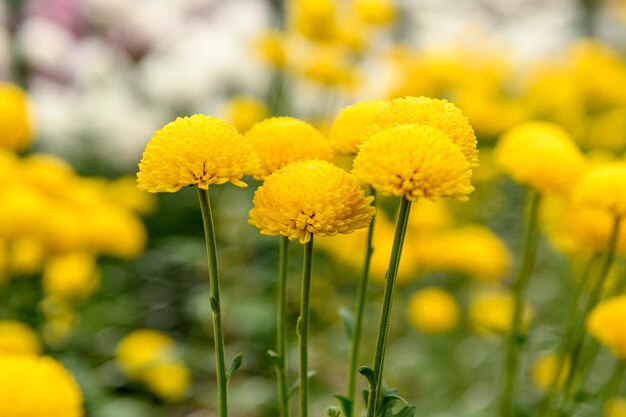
149,356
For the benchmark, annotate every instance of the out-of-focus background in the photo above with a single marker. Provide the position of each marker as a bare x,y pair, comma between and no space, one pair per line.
87,259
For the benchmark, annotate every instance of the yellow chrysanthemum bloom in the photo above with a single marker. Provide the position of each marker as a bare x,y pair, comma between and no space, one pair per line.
168,380
541,155
351,126
615,407
36,386
492,311
606,324
414,161
17,337
544,371
142,349
198,150
437,113
70,276
244,111
310,197
279,141
604,188
433,310
376,12
15,123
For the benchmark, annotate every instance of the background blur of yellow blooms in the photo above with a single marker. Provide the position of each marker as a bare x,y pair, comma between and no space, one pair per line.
103,289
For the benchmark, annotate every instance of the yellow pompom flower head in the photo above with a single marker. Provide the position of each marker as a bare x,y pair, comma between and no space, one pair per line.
353,125
607,325
298,201
200,150
15,122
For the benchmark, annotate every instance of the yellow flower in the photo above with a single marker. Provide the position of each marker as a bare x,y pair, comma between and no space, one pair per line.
25,255
492,311
544,371
279,141
35,386
123,191
606,324
198,150
168,380
414,161
310,197
615,407
433,310
70,276
440,114
142,349
376,12
17,337
604,188
15,123
314,19
244,111
351,126
541,155
271,47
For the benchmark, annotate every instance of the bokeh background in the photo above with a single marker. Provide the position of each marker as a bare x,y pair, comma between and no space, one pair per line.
88,259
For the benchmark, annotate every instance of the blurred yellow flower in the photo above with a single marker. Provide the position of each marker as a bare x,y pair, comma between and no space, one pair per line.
25,255
35,386
244,111
17,337
436,113
313,19
607,130
123,191
168,380
376,12
279,141
615,407
15,122
329,65
491,311
604,188
310,197
351,126
198,150
607,325
541,155
433,310
414,161
71,276
271,47
142,349
544,372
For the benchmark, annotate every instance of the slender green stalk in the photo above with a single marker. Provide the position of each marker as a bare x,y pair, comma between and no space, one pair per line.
281,329
529,248
579,336
611,389
358,313
303,328
218,334
385,318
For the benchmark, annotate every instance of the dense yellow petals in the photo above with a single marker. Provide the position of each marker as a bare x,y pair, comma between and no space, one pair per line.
433,310
310,197
414,161
198,150
541,155
432,112
17,337
15,123
604,188
279,141
352,125
32,386
607,325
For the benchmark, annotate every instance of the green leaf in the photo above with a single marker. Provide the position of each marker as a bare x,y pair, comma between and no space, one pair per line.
346,404
368,373
408,411
235,364
348,320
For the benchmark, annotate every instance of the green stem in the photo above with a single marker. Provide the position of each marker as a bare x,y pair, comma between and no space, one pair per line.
611,389
385,318
520,287
579,336
303,328
281,329
358,313
218,334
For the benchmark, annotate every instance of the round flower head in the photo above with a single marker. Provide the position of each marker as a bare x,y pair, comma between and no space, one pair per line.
491,312
198,150
17,337
431,112
281,140
541,155
544,371
414,161
606,324
310,197
15,122
604,188
433,310
352,125
37,387
142,349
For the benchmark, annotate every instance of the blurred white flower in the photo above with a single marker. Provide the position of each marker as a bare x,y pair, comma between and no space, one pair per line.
44,44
